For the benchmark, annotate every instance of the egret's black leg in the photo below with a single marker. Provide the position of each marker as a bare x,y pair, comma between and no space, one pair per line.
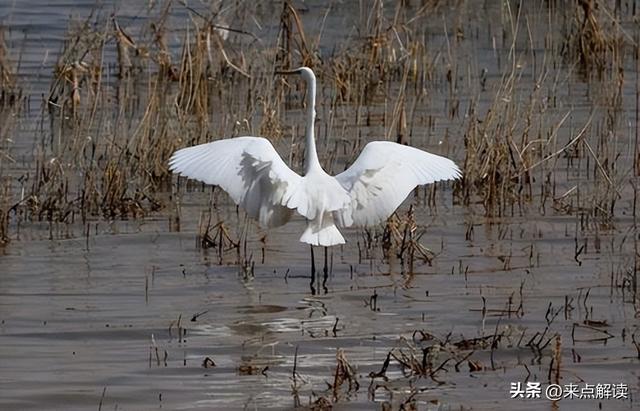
325,271
313,272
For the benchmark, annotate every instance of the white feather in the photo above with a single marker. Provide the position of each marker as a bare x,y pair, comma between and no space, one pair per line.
249,169
383,176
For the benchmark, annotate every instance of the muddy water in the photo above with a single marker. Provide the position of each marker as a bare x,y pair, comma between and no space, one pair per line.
125,318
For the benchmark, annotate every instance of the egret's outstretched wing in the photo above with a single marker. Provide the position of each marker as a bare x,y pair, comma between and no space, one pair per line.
249,169
384,175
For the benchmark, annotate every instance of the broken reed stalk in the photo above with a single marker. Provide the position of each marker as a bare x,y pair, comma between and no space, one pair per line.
344,373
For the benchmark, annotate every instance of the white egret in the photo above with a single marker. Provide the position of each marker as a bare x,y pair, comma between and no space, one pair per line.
250,170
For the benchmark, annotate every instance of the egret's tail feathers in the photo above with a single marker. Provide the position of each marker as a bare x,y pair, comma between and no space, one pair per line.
324,233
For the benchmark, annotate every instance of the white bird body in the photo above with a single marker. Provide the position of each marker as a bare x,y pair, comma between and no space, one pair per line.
250,170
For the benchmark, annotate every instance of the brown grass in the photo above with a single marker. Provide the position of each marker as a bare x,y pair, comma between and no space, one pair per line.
11,104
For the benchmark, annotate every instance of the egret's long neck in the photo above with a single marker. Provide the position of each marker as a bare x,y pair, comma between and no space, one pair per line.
311,155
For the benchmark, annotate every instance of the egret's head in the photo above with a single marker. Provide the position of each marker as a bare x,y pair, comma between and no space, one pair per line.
305,72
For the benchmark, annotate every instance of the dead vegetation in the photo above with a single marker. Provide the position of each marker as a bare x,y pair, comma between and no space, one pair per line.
11,102
426,361
595,37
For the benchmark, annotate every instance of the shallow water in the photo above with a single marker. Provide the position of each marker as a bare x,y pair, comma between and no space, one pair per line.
75,321
94,321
